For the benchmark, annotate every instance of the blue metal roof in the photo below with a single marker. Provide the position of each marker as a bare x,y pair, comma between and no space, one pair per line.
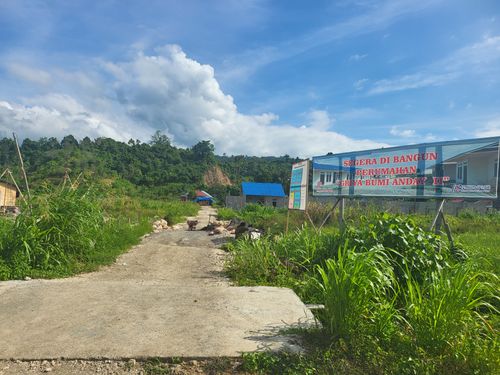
203,199
262,189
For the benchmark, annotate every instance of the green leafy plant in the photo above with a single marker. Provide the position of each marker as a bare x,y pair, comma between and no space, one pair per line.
412,247
354,286
450,307
397,299
69,229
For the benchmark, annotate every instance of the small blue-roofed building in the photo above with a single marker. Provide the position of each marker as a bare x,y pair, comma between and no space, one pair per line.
264,193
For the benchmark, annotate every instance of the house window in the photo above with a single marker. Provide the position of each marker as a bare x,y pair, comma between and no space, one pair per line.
462,172
334,177
322,178
329,177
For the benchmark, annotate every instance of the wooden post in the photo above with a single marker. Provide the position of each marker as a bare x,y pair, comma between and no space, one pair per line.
17,186
341,214
287,220
22,166
440,208
441,218
310,220
448,230
329,214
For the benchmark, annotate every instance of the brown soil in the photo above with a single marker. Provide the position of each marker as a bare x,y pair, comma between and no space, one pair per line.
215,176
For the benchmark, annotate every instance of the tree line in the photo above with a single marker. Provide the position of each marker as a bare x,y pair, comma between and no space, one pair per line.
154,168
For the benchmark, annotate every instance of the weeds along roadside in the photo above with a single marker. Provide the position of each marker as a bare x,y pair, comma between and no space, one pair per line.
397,298
71,230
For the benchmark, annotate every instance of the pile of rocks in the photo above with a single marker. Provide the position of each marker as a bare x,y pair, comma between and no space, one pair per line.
220,227
247,230
160,225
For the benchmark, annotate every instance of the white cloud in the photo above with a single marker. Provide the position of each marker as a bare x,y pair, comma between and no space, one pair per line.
319,120
360,83
62,116
477,58
173,93
407,82
357,57
429,137
372,19
491,129
404,133
29,74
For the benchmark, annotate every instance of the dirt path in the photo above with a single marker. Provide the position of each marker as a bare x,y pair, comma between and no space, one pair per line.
166,297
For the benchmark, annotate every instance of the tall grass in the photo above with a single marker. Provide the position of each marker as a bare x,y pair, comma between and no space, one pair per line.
61,224
353,285
143,208
271,220
394,294
450,307
255,262
68,230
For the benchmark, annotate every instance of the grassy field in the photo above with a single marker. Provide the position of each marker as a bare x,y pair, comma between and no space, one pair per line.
65,231
398,299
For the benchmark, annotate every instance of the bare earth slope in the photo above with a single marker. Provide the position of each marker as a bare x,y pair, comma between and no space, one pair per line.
164,298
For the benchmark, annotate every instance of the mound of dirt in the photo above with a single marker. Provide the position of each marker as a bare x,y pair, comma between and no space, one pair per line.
215,176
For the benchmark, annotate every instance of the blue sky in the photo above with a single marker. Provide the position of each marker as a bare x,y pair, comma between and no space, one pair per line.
254,77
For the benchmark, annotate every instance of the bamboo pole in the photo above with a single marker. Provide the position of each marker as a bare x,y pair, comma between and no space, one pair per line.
329,214
311,221
440,208
447,229
287,221
22,167
16,185
341,214
441,218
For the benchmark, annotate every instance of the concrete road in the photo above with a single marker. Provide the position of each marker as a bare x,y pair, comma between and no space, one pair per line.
167,297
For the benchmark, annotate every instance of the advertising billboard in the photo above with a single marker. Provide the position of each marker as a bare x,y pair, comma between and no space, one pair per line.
455,169
298,186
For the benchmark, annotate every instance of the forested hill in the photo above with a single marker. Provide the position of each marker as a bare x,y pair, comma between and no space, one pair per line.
156,167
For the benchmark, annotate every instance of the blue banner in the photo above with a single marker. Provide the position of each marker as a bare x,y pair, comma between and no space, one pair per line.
456,169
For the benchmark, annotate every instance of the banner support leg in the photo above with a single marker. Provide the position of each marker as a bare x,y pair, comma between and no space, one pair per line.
440,208
310,220
447,230
341,214
287,221
440,218
329,214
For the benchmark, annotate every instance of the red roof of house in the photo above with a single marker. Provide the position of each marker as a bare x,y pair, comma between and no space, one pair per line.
202,193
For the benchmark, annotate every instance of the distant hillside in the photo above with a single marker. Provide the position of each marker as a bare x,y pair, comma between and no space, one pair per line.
157,166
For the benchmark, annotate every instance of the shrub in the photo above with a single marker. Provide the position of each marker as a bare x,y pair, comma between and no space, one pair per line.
412,247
